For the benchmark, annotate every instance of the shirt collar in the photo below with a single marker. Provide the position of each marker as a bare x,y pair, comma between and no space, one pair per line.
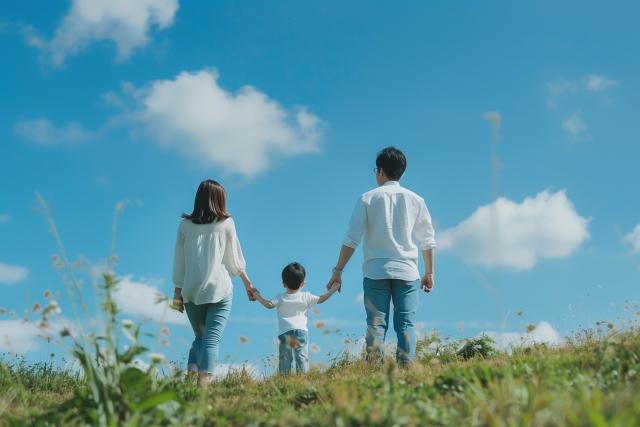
391,183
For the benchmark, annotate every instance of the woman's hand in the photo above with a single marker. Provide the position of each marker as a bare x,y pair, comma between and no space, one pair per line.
250,290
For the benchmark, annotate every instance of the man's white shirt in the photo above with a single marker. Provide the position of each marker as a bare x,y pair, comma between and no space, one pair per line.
388,217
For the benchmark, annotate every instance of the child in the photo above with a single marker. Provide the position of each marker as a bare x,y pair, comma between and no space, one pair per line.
293,306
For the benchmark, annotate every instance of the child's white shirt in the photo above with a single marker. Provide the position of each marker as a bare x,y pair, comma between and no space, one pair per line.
293,309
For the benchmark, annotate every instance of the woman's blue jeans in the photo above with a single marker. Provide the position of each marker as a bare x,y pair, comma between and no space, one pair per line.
378,295
294,344
208,322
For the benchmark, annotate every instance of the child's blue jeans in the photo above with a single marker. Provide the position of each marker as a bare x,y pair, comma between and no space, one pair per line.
208,322
294,344
378,295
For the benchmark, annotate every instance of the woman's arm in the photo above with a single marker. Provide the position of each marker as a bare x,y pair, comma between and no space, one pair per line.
258,297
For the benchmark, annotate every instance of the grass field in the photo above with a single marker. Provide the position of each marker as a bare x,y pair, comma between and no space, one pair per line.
591,380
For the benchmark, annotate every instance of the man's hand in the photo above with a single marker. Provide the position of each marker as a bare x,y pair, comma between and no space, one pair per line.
427,282
335,277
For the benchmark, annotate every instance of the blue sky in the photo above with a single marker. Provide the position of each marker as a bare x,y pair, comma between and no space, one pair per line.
286,104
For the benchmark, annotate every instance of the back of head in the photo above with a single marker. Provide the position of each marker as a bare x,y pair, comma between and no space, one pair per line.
293,275
210,203
393,162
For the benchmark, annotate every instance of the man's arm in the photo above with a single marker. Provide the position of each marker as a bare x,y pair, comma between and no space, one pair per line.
345,255
334,287
427,280
258,297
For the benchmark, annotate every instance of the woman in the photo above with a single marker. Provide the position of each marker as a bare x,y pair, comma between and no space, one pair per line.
207,252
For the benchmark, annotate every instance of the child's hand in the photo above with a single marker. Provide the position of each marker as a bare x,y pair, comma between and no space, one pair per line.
335,286
255,294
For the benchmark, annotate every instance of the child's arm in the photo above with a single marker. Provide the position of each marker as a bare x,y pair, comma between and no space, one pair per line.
334,287
258,297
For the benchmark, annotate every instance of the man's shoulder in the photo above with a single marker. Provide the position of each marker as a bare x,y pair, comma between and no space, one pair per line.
384,189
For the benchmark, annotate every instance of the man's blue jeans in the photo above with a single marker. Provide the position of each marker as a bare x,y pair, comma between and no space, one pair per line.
294,344
208,322
378,295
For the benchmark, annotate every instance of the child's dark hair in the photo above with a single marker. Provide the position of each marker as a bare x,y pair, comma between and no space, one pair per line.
293,275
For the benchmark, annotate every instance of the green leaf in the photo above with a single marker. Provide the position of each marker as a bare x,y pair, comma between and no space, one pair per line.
157,399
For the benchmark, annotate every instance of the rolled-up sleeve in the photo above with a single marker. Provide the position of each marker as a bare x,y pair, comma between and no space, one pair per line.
423,229
178,260
233,259
357,225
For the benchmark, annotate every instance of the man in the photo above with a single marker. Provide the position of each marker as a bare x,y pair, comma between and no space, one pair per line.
388,217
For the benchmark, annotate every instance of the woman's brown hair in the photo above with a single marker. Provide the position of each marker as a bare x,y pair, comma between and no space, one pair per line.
210,203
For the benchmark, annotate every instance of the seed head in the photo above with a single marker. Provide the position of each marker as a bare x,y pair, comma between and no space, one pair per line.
58,264
243,340
2,310
156,357
530,327
113,258
316,311
127,323
319,324
36,308
345,341
48,294
165,332
520,313
626,307
315,348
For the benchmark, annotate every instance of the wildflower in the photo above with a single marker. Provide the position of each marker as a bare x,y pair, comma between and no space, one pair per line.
58,264
243,340
520,313
530,327
54,257
292,342
127,323
36,308
48,294
156,357
315,348
113,258
610,325
319,324
165,332
2,310
316,311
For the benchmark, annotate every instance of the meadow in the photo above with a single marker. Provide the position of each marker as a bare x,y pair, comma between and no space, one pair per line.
590,379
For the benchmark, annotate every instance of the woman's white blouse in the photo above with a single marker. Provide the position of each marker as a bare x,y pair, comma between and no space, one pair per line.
205,256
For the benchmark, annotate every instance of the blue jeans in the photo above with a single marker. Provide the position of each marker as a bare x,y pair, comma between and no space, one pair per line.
378,295
208,322
294,344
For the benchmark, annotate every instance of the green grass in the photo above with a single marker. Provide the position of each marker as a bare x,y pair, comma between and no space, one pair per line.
591,380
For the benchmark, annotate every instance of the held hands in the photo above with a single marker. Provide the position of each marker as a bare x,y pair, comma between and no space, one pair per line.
177,303
250,291
335,278
427,282
335,286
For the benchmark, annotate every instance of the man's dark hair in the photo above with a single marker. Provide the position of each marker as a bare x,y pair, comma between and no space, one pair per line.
293,275
393,162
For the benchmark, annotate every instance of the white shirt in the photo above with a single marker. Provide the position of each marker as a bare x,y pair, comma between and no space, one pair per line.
292,310
388,217
204,257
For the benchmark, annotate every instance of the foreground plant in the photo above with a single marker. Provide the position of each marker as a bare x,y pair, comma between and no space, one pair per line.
116,392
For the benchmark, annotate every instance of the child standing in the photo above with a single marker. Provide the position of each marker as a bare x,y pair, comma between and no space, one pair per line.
293,307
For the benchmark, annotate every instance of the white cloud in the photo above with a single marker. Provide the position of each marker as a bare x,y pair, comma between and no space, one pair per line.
596,83
4,218
126,23
563,87
239,132
633,238
543,333
546,226
137,299
43,131
19,336
10,274
576,127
